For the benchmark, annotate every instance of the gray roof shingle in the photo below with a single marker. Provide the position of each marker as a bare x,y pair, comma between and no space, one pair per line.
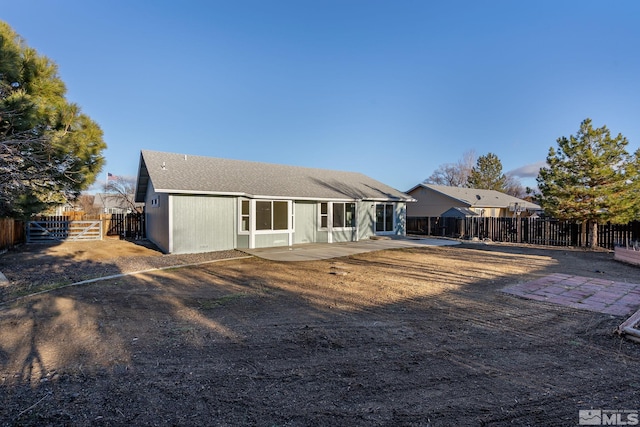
476,197
180,173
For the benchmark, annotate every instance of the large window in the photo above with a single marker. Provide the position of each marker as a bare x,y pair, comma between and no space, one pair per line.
384,217
272,215
280,215
344,215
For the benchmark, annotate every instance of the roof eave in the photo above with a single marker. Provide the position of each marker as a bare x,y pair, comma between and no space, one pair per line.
143,175
281,197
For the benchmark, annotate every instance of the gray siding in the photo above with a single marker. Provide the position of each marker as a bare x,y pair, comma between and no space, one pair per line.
366,220
401,219
242,241
271,240
157,218
322,236
203,224
306,222
344,235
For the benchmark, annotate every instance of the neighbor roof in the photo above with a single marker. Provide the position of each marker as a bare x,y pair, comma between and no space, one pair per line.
181,173
480,198
459,213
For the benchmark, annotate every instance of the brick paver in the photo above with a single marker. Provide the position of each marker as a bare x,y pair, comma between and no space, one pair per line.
587,293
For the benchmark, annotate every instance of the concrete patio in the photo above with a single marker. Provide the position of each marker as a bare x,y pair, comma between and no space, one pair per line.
317,251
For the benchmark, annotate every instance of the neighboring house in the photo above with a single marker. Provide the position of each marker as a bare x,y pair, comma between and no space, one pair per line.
441,200
100,203
200,204
114,203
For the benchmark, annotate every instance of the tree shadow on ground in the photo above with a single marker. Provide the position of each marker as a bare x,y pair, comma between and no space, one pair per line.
417,336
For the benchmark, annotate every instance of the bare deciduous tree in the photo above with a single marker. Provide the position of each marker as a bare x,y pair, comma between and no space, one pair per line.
121,190
454,174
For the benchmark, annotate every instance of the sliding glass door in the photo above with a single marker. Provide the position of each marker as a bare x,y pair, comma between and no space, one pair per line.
384,217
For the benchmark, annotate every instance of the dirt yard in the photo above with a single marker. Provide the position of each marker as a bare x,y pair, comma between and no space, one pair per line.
413,337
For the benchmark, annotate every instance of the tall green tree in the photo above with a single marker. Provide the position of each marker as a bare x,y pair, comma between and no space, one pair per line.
49,150
487,174
590,178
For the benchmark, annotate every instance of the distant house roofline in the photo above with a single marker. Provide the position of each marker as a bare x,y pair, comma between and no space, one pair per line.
473,197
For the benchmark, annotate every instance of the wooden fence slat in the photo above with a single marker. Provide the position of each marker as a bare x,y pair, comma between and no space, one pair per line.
12,233
540,231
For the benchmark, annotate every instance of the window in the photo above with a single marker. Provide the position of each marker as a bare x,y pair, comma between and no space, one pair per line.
263,215
384,217
244,215
324,215
344,215
280,215
350,215
338,215
272,215
388,217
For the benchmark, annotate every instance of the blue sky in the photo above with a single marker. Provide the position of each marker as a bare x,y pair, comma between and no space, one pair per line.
392,89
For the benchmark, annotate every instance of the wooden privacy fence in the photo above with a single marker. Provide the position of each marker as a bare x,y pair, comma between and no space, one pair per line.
12,232
126,225
539,231
75,226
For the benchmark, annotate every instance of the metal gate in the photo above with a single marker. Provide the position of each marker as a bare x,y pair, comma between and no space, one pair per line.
60,230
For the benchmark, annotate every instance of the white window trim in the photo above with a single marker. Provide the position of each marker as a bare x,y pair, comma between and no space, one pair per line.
289,228
355,205
320,215
329,215
240,230
253,232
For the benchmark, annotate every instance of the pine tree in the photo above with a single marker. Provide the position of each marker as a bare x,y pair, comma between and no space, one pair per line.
487,174
49,150
590,178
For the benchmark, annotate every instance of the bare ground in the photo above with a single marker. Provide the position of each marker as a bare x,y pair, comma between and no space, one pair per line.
401,337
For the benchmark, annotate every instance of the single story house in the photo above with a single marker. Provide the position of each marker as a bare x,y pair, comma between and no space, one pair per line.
201,204
436,200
